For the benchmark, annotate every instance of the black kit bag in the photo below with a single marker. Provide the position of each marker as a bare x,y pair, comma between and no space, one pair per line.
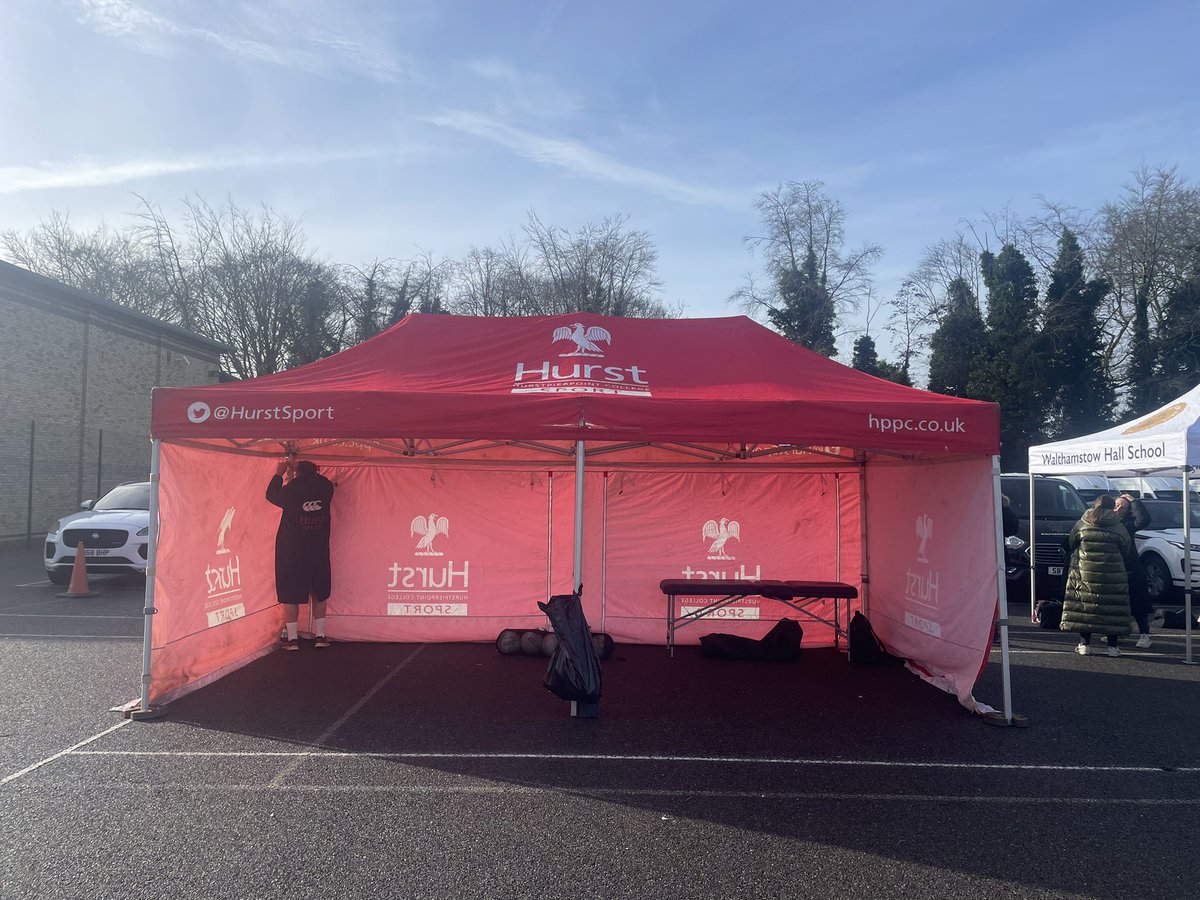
1048,613
574,670
780,644
1177,618
865,646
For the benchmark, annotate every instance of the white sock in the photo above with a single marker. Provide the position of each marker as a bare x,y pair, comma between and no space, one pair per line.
292,630
319,625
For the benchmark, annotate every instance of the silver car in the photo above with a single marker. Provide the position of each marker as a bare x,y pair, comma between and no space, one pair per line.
114,531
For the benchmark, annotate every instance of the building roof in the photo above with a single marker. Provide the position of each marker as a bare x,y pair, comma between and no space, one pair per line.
38,287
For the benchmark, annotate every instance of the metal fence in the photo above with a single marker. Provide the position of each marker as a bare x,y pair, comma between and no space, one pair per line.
48,468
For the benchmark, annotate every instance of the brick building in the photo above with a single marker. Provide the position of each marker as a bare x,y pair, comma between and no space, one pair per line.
75,378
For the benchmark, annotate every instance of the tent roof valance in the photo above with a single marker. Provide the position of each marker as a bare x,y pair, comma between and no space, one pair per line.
1165,440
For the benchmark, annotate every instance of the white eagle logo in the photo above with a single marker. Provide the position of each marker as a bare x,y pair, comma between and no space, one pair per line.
429,528
223,529
585,340
720,532
924,533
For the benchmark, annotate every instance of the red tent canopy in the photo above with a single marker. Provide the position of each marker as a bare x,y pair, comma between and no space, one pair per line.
581,377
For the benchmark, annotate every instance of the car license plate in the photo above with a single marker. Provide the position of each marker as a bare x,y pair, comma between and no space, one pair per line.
1055,570
87,552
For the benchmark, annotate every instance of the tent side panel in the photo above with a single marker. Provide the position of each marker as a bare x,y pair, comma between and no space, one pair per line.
215,584
932,552
425,554
744,525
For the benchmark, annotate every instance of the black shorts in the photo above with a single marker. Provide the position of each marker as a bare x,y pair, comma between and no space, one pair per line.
297,579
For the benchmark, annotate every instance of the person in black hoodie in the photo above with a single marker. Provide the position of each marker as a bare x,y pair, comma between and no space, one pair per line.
1134,516
302,568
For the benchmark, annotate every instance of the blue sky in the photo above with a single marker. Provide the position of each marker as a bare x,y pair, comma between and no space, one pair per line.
391,127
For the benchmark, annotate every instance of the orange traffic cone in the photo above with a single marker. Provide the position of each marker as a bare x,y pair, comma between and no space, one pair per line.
79,583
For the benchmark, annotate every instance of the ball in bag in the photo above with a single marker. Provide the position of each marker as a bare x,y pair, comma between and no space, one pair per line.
549,643
531,643
508,642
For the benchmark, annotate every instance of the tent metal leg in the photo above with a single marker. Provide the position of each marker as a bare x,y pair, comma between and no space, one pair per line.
144,710
577,581
1002,620
1187,571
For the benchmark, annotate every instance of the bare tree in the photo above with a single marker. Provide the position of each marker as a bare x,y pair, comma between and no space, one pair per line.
237,277
103,262
800,219
1143,245
605,269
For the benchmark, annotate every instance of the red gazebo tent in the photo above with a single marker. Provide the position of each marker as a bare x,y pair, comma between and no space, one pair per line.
484,463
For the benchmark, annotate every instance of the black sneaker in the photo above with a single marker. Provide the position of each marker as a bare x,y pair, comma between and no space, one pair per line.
321,641
289,644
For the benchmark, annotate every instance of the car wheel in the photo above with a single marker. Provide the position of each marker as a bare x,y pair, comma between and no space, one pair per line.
59,576
1158,579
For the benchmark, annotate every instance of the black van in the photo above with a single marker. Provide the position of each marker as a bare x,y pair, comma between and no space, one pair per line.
1059,507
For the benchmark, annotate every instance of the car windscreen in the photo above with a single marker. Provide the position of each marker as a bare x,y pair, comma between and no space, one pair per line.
1165,514
1056,499
126,496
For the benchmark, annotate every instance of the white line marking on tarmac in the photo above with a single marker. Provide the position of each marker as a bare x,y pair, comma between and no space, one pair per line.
600,793
49,759
60,616
602,757
34,583
107,637
291,766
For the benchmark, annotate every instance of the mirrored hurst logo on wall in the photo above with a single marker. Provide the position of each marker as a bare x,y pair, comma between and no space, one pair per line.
720,532
924,526
429,527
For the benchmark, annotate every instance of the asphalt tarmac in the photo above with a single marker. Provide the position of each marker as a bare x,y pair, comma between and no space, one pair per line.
448,771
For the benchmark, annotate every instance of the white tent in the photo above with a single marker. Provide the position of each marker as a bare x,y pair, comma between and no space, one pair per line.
1164,442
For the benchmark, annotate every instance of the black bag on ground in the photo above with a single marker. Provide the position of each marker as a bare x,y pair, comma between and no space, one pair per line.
865,646
1177,618
574,670
780,644
1047,613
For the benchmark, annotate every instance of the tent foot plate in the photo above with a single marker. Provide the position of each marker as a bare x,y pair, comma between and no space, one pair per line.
997,718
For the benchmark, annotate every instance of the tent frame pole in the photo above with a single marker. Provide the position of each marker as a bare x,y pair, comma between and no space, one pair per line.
577,582
865,562
144,710
1002,619
1033,567
1187,570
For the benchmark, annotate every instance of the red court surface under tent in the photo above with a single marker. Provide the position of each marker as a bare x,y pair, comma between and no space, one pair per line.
483,464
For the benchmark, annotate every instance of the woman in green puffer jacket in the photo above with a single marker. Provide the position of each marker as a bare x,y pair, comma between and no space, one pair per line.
1097,595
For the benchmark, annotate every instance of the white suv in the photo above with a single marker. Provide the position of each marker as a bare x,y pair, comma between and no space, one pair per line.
1160,546
114,532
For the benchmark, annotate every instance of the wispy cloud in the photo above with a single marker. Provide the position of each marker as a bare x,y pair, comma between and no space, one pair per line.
579,159
83,173
272,31
526,95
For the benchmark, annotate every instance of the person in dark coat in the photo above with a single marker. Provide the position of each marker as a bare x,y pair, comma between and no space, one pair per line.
302,567
1134,516
1097,594
1008,517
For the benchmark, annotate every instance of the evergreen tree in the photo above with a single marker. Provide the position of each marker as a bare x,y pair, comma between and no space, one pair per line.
957,343
866,359
1007,368
1178,349
805,314
1078,393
